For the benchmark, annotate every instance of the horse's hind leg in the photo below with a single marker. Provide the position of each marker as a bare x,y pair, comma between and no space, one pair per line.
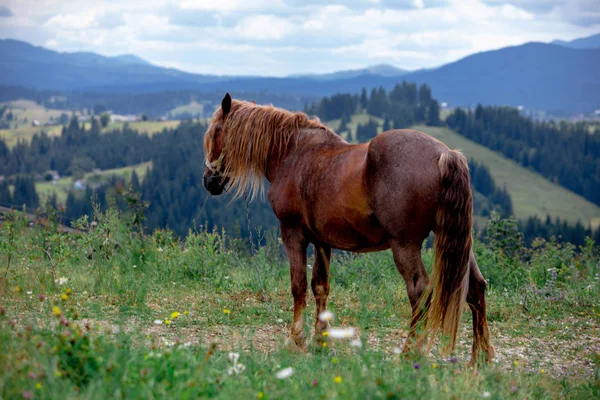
320,286
410,265
482,348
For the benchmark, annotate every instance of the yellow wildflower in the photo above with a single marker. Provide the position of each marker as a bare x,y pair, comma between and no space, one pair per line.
434,366
64,297
324,344
335,360
337,379
38,385
175,314
226,311
516,363
56,311
261,395
16,289
543,371
167,322
185,312
325,334
68,291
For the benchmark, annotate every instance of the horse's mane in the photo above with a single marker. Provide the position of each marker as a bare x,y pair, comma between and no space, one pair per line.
253,133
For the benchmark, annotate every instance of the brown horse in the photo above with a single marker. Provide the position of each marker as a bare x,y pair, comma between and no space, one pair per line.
388,193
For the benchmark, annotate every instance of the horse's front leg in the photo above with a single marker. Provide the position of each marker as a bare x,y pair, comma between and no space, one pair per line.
295,247
320,286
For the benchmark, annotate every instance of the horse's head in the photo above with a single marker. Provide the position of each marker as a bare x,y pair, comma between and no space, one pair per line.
214,178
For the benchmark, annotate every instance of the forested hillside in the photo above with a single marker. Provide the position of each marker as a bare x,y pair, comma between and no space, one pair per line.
177,200
566,153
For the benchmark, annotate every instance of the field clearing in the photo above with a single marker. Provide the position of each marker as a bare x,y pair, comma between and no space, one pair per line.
355,120
193,108
531,193
31,110
62,186
155,318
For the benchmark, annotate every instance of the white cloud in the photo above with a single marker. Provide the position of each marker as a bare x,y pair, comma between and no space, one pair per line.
78,21
279,37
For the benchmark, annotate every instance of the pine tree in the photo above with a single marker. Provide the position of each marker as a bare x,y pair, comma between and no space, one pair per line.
364,100
5,197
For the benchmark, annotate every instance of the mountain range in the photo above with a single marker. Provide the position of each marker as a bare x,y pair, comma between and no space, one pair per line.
558,76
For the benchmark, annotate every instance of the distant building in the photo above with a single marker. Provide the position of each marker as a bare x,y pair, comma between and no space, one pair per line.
80,184
123,118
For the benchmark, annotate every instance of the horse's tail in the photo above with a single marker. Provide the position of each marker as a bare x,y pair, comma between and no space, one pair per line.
452,244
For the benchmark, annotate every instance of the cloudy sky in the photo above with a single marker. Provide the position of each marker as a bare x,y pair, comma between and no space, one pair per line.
281,37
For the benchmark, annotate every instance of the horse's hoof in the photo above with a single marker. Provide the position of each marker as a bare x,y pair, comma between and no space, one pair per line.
296,345
485,357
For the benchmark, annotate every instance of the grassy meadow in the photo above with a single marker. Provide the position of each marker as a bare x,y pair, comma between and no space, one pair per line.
62,186
114,313
30,110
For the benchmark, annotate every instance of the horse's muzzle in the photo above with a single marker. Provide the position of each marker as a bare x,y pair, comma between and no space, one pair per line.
214,184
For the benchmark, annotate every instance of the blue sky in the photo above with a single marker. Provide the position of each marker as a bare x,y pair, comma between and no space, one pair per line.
281,37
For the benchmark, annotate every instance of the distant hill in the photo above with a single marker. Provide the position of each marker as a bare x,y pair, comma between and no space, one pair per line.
590,42
535,75
377,70
32,66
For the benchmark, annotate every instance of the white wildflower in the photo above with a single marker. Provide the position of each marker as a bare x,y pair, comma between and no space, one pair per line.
285,373
237,367
397,350
487,394
325,316
233,357
158,322
160,250
61,280
342,333
134,266
29,292
356,343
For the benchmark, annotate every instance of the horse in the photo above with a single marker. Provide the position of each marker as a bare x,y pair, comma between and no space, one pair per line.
388,193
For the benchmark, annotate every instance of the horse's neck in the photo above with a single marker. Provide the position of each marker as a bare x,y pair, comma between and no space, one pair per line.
306,138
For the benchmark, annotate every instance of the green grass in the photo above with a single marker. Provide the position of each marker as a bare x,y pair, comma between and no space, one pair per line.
531,193
62,186
105,343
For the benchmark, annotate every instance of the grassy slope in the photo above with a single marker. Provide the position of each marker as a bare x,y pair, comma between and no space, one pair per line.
532,194
62,186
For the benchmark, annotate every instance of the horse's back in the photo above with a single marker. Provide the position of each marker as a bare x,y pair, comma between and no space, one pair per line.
403,181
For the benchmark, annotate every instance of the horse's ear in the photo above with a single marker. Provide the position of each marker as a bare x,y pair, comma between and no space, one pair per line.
226,104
